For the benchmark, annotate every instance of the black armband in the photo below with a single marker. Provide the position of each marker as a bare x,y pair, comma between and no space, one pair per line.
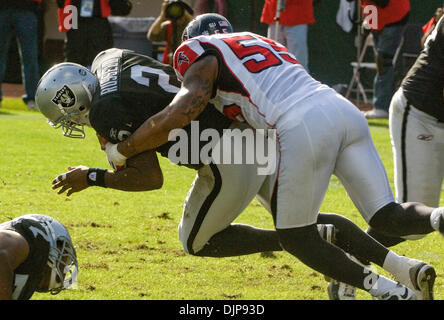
96,177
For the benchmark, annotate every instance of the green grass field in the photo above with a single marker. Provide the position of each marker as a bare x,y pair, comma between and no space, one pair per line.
127,243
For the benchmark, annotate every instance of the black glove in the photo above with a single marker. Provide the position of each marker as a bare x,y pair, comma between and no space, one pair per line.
120,7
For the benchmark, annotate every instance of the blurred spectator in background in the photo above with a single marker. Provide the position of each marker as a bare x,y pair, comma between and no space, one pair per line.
88,31
207,6
169,25
430,25
292,25
386,20
19,17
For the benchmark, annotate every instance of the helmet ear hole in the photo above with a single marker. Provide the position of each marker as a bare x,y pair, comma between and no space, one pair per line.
81,108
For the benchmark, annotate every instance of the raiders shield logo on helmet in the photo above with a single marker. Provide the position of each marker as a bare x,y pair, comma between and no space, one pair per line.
65,97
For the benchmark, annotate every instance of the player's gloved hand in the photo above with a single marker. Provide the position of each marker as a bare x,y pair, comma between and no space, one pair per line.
115,158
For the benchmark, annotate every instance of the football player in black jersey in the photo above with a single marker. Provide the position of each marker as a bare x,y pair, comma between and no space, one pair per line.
417,126
123,91
36,254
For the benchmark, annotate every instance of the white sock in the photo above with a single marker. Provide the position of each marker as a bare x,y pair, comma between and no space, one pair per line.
435,217
399,266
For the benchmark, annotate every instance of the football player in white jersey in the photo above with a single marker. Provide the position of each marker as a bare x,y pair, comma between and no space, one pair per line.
319,133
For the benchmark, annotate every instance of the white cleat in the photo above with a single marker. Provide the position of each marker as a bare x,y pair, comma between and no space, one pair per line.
420,277
341,291
400,292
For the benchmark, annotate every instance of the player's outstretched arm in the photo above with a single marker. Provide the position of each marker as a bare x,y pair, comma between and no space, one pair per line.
189,102
141,173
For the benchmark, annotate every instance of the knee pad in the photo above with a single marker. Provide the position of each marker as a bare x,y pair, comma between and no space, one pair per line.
384,61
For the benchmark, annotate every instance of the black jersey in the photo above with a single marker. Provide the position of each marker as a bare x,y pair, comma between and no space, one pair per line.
134,87
28,275
424,83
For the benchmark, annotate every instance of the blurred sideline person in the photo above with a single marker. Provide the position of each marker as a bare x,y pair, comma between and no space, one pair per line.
19,17
430,25
169,25
206,6
220,192
392,16
293,25
417,125
36,254
88,30
273,91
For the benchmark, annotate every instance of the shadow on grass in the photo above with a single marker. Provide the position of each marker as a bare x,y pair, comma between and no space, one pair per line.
4,112
378,123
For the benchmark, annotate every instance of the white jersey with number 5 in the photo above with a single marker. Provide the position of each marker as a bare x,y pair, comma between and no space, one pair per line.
258,81
319,132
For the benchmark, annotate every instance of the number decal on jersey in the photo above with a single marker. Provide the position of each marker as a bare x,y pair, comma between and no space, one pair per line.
258,57
137,74
19,284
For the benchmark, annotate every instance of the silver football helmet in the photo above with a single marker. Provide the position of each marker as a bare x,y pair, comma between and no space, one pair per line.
62,257
64,95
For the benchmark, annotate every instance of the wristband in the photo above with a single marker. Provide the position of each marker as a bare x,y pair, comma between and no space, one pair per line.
96,177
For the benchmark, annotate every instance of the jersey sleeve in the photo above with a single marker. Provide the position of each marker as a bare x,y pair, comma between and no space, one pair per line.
112,120
186,54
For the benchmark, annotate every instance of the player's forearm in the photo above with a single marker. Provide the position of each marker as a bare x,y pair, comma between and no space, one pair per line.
153,133
189,102
132,179
158,129
142,173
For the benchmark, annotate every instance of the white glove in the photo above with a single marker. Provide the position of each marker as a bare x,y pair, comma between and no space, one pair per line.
115,158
